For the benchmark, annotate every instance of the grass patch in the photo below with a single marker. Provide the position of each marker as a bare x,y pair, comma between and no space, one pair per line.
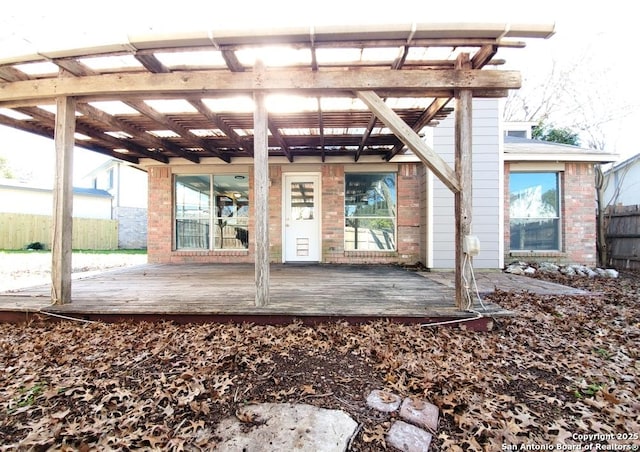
29,396
143,251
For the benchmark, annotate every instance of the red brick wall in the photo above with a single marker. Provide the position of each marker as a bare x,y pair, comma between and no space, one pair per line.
160,221
578,218
333,214
408,239
408,217
409,231
275,213
160,226
579,212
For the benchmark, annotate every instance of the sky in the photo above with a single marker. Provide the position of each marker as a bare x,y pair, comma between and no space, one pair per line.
598,31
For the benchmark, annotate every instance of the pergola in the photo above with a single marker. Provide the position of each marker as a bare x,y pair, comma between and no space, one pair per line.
315,92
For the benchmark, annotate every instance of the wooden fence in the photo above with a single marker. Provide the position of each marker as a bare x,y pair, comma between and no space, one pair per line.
18,230
623,236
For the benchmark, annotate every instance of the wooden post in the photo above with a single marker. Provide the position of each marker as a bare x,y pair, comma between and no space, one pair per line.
463,198
261,198
63,201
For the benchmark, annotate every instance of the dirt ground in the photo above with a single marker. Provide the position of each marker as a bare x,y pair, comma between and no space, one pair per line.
563,371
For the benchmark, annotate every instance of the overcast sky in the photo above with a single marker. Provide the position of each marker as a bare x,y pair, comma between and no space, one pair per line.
600,29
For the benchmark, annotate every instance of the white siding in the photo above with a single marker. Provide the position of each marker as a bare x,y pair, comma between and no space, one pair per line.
40,202
85,206
487,221
127,185
20,200
628,179
131,187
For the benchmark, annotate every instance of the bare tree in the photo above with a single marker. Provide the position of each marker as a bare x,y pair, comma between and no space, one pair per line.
539,98
575,94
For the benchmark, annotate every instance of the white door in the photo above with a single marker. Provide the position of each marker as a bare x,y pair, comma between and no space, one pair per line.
301,217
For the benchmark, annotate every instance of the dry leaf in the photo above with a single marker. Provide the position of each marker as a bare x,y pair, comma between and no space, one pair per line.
59,415
308,389
376,435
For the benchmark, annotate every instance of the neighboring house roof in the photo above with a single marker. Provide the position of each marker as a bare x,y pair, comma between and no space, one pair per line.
110,164
11,184
523,149
628,162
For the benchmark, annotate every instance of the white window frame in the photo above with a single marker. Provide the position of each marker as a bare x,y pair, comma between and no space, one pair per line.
559,217
395,219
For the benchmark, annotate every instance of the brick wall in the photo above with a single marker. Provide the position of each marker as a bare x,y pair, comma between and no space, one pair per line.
579,212
409,219
160,227
159,232
275,213
409,183
333,214
578,217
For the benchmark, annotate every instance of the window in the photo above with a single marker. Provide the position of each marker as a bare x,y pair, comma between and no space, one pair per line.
212,212
534,211
370,212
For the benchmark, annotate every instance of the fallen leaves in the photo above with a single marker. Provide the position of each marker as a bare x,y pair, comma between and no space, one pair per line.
562,365
376,434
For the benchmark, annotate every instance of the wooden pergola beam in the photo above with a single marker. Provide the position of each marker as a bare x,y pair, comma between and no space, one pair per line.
402,57
77,69
365,136
279,139
232,61
483,56
101,140
410,138
161,119
61,237
209,82
485,93
11,74
151,63
102,150
74,67
217,122
118,125
28,126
